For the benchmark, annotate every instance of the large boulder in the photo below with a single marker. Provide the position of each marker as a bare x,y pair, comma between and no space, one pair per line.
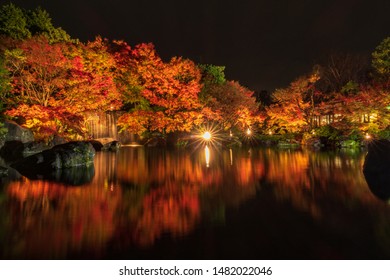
15,150
3,171
68,155
17,133
376,168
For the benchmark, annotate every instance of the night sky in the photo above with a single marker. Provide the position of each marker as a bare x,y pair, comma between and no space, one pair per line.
264,44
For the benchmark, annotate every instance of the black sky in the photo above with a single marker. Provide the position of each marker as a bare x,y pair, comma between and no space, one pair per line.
264,44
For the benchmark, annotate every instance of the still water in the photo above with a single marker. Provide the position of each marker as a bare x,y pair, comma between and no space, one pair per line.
143,203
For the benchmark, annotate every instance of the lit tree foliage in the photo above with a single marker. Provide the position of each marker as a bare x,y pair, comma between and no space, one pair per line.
13,22
5,84
90,82
38,70
234,104
381,58
40,23
294,106
170,89
54,84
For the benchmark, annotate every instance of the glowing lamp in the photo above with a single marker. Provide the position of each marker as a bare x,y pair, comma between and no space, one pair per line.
248,131
206,136
368,136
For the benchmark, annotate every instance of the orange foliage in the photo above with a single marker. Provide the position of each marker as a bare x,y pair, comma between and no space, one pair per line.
170,89
234,105
55,83
294,105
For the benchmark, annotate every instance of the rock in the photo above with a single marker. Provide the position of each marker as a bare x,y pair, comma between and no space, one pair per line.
16,150
105,144
72,154
96,145
57,140
12,150
376,168
3,171
31,148
17,133
112,146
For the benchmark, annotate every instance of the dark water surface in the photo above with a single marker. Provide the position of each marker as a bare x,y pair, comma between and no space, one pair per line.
144,203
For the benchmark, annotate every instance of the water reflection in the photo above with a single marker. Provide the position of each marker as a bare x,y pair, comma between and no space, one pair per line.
207,155
139,196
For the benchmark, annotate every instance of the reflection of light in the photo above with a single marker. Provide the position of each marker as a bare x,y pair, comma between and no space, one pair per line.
231,156
337,162
206,136
132,145
207,154
248,131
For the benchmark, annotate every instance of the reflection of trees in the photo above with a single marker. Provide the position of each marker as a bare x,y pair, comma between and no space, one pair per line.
50,220
137,196
161,192
173,209
179,188
307,178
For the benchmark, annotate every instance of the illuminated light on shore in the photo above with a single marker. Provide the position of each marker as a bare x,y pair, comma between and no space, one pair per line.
207,136
207,155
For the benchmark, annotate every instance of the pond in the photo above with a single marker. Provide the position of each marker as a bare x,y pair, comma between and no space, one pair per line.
244,203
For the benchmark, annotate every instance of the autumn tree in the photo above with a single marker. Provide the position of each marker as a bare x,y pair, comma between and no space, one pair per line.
168,91
365,111
38,70
127,78
91,80
234,104
294,106
53,85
